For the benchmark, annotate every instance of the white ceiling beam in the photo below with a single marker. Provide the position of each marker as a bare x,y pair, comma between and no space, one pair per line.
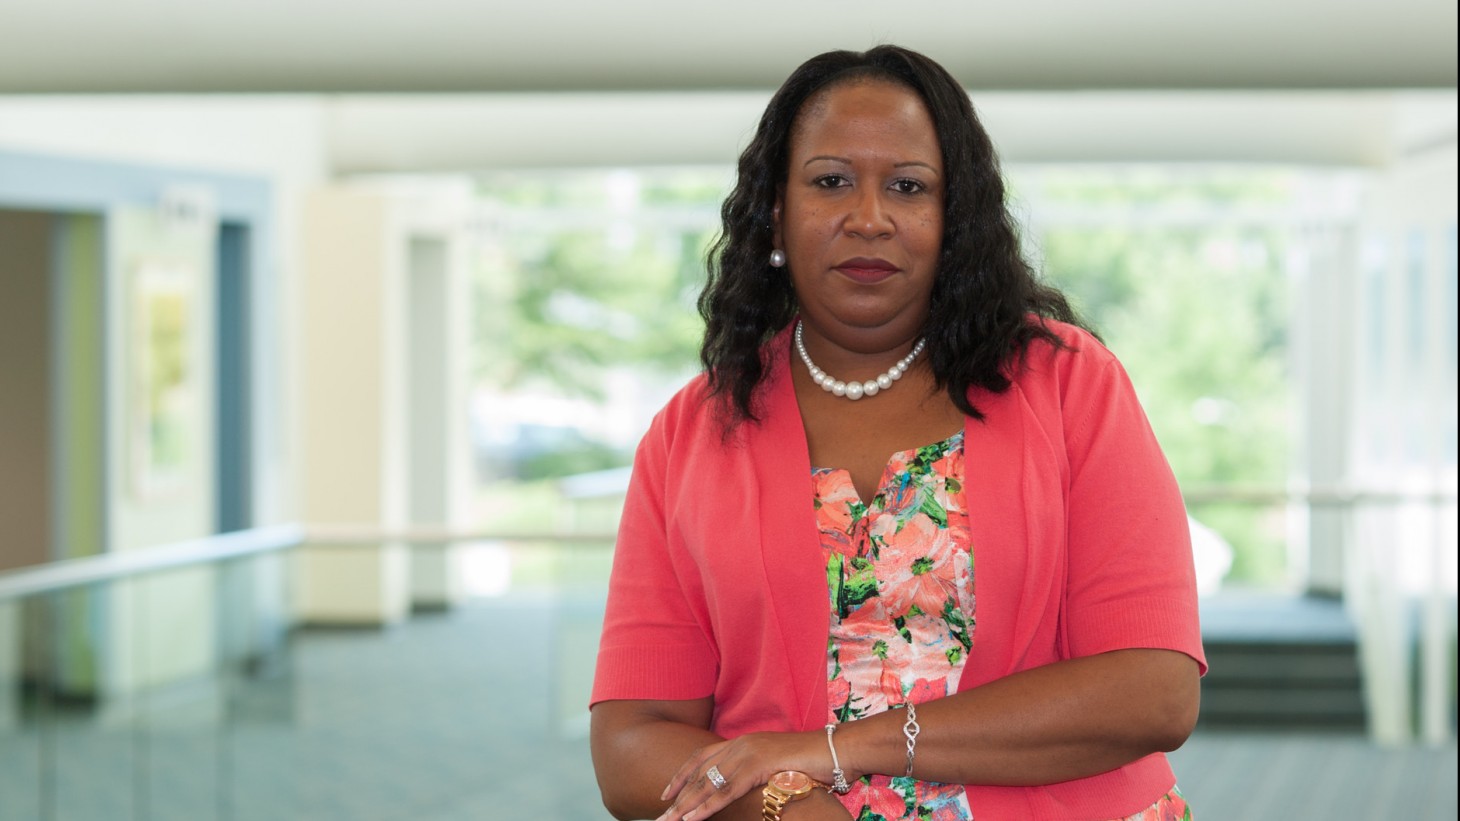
308,46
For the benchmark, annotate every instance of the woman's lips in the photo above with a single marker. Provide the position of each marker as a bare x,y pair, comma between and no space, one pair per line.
865,270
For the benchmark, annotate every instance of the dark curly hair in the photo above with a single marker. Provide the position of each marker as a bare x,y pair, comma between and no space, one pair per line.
984,293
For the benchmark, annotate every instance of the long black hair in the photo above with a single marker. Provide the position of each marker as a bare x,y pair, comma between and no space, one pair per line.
986,299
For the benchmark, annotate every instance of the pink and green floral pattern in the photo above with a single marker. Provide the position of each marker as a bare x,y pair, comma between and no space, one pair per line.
900,572
1171,807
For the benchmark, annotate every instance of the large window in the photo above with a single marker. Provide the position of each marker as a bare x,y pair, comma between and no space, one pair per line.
585,287
1191,276
586,282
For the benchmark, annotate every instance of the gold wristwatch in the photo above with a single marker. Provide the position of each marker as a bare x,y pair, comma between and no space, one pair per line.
783,788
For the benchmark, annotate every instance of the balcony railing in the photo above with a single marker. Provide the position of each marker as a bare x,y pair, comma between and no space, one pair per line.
167,683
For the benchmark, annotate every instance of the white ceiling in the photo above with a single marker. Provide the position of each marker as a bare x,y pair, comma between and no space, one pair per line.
478,45
462,85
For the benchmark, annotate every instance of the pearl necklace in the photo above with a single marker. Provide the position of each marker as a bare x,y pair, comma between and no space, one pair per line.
856,390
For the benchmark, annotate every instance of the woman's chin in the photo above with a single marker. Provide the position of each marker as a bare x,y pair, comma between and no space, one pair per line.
871,320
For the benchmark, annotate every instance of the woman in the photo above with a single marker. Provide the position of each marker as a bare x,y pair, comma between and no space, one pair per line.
895,416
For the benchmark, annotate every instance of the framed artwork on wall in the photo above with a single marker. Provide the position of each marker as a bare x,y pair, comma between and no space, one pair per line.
163,394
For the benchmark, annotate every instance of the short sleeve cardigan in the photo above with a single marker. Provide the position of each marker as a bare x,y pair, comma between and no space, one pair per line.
1079,532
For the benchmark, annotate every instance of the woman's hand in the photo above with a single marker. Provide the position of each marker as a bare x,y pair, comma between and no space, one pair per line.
745,764
638,746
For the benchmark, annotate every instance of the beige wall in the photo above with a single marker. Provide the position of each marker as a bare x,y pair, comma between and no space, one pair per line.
25,394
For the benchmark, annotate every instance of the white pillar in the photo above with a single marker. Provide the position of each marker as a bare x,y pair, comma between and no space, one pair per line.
1323,345
437,301
352,459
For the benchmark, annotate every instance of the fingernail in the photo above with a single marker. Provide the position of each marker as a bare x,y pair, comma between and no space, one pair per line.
664,796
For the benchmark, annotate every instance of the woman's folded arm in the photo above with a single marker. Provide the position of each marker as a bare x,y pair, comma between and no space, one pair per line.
1060,722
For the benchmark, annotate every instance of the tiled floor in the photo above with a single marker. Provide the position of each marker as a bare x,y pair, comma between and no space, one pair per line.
477,714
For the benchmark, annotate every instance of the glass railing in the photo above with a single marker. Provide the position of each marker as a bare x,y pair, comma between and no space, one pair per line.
174,684
1393,552
177,683
123,678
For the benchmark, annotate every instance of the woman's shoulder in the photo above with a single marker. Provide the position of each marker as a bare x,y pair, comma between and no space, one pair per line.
687,406
694,413
1073,378
1068,347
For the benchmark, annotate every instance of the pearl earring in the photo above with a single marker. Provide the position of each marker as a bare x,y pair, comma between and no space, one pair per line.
778,258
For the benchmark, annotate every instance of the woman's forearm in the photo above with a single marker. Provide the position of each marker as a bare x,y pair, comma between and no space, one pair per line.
1064,721
1060,722
638,746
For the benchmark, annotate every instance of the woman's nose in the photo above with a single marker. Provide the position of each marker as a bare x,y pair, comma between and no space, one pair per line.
869,216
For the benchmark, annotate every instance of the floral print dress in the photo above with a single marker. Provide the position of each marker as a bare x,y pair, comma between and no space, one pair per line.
900,572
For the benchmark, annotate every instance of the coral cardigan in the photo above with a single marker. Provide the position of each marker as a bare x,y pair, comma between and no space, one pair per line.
1080,544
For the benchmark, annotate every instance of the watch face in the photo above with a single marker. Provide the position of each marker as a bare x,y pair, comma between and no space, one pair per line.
791,782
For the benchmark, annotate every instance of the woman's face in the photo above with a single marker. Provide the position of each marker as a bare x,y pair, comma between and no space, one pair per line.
861,215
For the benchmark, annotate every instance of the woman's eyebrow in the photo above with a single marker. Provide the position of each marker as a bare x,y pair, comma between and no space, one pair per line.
826,157
846,161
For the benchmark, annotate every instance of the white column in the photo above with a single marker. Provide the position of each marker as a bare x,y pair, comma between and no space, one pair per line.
352,461
435,408
1323,348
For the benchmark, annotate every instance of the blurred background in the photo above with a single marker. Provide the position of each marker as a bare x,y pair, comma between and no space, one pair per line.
327,331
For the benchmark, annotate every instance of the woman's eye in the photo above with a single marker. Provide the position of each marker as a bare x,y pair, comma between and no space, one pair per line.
831,181
907,186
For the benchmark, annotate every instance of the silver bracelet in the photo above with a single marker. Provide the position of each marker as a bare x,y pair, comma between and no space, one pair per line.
838,778
911,730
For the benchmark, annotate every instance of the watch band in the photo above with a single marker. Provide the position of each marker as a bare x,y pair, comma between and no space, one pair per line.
774,801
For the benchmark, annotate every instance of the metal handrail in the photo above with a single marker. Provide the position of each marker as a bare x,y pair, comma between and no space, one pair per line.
340,535
70,573
1324,496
